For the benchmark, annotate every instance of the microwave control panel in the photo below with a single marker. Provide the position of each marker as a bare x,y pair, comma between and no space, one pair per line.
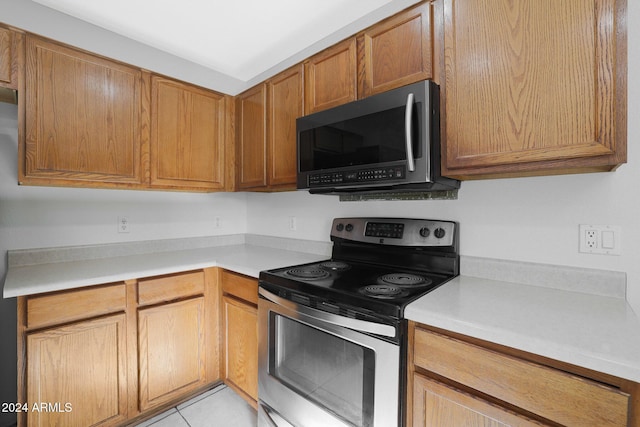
377,174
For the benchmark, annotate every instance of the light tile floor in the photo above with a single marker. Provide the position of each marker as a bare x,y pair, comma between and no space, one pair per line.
218,407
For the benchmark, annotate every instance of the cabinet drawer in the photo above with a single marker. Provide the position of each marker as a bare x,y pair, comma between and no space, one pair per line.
67,306
550,393
240,286
170,287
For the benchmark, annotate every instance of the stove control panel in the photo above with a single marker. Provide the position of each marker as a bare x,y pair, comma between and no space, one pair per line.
396,231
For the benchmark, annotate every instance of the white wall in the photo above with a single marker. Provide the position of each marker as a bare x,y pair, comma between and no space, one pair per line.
525,219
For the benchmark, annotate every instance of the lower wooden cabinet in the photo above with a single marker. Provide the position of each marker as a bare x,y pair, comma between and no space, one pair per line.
453,381
79,373
105,355
240,334
172,353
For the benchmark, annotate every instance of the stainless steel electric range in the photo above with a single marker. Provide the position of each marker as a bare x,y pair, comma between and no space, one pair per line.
331,334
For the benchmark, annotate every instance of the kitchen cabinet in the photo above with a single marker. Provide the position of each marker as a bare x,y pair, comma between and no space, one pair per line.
251,138
76,358
532,87
240,334
188,129
10,57
266,139
453,377
85,121
108,354
331,77
395,52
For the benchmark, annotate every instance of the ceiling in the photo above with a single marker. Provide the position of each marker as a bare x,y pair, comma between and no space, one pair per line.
241,38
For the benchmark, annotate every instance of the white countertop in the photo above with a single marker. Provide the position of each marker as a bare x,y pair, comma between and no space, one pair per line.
596,332
243,258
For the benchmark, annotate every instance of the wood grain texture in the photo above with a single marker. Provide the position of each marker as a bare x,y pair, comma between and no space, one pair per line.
67,306
552,394
6,55
212,312
83,116
187,136
285,104
172,356
241,347
251,138
436,405
395,52
170,287
83,364
240,286
331,77
532,81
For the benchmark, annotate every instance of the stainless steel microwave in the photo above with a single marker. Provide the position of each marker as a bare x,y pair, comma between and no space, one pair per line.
386,142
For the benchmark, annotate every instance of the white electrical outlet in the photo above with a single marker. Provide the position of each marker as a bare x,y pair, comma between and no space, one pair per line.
293,223
600,239
124,225
216,222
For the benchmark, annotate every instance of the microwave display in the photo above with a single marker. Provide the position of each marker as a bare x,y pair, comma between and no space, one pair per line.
372,139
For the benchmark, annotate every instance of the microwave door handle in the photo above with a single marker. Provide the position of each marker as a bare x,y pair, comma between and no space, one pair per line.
408,113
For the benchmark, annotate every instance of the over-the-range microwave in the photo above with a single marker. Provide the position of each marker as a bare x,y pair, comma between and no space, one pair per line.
386,142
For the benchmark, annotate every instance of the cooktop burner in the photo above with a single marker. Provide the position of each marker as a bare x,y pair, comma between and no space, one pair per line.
335,265
403,279
307,273
383,291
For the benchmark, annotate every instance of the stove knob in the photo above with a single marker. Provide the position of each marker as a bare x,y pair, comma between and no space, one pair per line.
424,231
340,227
439,233
349,227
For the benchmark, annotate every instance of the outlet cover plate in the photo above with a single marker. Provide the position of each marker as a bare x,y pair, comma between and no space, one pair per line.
600,239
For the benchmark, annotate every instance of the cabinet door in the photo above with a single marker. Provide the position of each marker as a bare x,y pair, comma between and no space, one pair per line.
330,77
533,81
172,350
6,56
81,371
187,136
251,113
285,106
83,118
436,405
395,52
241,346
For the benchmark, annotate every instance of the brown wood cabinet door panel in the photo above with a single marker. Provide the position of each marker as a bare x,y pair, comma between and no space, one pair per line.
251,111
330,77
436,405
172,355
62,307
187,136
396,52
82,116
84,365
285,106
529,81
6,55
240,286
553,394
241,346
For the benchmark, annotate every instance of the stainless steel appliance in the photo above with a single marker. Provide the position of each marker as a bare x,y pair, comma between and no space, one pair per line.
332,334
386,142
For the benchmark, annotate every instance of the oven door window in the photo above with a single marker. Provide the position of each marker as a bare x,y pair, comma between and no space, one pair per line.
332,372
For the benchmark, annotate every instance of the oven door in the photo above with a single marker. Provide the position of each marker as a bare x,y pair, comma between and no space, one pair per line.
317,370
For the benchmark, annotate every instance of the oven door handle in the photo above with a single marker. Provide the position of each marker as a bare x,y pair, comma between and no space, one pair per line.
334,319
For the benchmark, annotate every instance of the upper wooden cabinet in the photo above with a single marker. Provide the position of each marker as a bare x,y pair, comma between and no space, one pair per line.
266,132
10,57
331,77
188,128
532,87
251,138
285,105
84,120
395,52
